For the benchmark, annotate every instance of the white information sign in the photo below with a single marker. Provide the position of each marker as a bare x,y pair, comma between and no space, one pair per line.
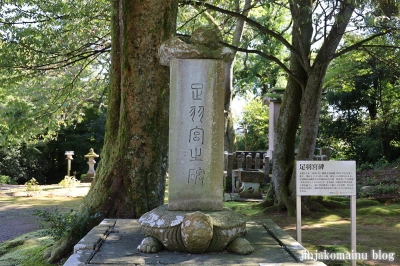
326,178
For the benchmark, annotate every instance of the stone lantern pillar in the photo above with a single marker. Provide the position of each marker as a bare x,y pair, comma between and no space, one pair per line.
69,158
274,100
91,173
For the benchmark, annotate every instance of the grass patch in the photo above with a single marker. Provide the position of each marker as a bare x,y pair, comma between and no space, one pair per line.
378,228
330,249
331,218
25,250
245,208
333,202
383,210
366,203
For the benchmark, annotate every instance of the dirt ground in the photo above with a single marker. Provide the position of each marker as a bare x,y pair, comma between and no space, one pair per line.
17,205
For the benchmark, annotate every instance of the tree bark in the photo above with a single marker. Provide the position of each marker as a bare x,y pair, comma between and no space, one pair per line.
130,178
302,96
288,118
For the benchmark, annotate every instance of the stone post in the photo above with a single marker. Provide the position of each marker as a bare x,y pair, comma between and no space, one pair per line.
91,173
69,158
257,161
325,153
225,160
267,169
240,161
196,121
249,161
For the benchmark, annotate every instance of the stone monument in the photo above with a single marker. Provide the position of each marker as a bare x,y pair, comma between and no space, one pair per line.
194,219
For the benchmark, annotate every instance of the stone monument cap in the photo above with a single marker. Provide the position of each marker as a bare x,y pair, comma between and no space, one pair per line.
203,44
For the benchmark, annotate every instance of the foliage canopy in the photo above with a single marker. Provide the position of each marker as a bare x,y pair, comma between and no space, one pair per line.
53,63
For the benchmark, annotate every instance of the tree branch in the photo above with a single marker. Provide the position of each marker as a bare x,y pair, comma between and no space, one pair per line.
359,44
328,48
32,22
250,22
62,63
268,57
379,58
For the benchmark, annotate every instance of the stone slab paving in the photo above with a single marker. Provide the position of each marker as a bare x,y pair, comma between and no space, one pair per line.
114,242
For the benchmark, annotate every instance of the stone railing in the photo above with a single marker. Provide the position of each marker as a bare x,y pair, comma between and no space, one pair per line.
245,171
323,155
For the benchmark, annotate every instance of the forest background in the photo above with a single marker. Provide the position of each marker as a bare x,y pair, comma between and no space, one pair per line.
54,72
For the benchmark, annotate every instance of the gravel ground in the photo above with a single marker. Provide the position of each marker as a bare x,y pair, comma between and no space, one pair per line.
16,218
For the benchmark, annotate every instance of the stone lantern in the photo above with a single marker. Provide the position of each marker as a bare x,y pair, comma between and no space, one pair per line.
91,172
69,158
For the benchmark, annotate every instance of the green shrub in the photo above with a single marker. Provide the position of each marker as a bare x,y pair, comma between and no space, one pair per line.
388,189
23,161
365,166
32,186
69,182
4,179
60,224
381,163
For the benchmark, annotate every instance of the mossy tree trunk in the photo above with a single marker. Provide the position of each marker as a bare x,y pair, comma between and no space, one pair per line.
302,101
130,178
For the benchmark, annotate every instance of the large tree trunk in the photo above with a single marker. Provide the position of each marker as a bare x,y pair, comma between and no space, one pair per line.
131,175
131,179
229,131
302,96
288,118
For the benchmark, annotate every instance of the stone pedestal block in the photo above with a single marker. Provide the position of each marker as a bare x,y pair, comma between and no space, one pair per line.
251,180
251,175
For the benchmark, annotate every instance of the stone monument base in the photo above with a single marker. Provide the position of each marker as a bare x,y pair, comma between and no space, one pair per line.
114,242
195,232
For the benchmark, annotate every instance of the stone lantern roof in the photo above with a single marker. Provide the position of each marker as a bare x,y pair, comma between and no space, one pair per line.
91,154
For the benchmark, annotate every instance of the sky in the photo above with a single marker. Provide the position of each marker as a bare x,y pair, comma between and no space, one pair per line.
237,106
